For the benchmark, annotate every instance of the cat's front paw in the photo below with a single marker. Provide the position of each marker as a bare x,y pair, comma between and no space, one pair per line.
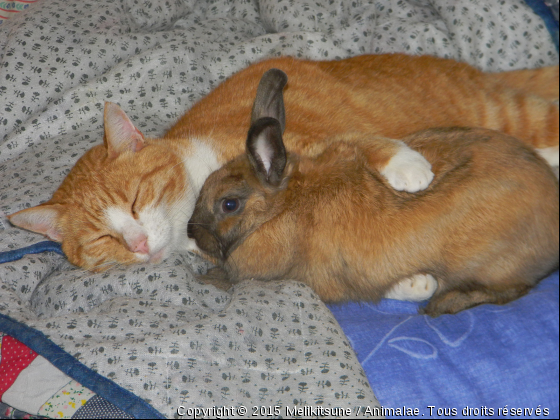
408,171
416,288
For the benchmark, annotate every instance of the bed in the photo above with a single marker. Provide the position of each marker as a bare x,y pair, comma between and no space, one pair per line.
151,341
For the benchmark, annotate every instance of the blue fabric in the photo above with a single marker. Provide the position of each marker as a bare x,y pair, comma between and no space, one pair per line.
16,254
489,356
103,387
541,9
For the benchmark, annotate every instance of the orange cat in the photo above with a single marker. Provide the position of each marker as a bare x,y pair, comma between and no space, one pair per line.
130,198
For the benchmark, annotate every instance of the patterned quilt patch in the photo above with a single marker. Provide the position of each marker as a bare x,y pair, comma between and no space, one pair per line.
15,358
67,400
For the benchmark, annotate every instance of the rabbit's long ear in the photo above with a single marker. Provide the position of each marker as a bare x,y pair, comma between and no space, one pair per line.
266,152
269,101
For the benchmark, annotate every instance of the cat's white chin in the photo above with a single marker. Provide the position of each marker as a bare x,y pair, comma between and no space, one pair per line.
163,253
152,258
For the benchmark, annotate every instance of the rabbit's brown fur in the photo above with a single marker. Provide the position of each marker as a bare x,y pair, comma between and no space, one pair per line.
486,228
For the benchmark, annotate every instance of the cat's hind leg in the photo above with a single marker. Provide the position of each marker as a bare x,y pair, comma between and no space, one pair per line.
415,289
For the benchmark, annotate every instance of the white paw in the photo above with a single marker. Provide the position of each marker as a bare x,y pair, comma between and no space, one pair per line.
416,288
408,171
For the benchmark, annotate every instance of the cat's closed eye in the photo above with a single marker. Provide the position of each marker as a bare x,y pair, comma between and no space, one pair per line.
105,238
134,208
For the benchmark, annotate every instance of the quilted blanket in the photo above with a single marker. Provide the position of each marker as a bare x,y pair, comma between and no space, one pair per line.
149,340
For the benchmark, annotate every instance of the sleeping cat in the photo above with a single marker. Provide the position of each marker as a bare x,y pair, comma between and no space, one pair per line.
129,199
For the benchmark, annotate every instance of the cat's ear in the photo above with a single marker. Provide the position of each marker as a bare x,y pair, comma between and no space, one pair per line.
41,219
266,152
120,134
269,101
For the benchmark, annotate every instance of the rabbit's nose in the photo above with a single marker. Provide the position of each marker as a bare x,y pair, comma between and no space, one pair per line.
190,232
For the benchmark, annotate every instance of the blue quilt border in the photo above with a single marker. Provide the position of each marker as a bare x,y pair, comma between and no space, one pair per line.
16,254
105,388
42,345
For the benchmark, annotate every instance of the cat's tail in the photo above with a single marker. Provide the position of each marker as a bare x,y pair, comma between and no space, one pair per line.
543,82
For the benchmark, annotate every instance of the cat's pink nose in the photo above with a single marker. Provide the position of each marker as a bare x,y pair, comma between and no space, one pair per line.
140,245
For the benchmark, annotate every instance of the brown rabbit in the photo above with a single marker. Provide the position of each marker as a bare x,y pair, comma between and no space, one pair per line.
486,228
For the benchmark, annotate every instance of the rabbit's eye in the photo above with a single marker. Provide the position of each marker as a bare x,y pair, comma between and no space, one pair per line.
229,205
